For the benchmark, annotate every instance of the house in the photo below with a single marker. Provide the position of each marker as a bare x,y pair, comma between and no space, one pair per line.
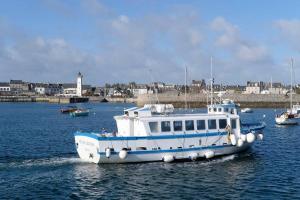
231,89
47,89
18,86
70,89
254,87
276,88
40,88
4,88
198,86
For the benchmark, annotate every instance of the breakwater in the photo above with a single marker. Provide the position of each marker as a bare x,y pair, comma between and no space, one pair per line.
201,100
63,100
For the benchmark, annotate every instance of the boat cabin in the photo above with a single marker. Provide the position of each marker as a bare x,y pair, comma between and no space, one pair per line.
159,119
226,107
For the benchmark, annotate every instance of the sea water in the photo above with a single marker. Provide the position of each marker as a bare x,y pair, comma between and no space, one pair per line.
38,160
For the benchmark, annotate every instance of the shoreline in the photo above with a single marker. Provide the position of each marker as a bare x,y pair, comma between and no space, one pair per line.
194,101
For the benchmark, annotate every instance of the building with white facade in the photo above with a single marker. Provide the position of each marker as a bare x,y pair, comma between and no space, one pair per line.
254,87
4,88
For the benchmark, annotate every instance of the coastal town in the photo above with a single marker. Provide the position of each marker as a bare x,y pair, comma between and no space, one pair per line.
133,89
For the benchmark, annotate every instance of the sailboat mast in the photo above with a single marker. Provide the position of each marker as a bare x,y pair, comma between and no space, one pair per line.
291,90
185,101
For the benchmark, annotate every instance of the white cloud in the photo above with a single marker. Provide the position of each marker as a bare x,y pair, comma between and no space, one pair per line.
241,49
290,31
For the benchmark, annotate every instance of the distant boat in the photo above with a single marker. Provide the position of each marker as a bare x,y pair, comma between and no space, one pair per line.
296,110
80,113
246,110
288,117
68,110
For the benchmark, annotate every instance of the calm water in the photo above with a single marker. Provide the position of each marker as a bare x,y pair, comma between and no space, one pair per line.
38,160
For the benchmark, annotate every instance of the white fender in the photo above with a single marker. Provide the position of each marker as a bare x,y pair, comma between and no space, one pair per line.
123,154
243,137
260,136
240,143
193,156
233,139
209,154
168,158
107,152
250,137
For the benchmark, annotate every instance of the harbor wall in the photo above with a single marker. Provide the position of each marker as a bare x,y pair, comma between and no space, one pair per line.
63,100
121,100
200,100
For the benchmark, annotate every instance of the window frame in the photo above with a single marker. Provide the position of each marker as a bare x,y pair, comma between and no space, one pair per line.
220,123
161,126
156,126
208,124
185,124
235,123
174,125
204,124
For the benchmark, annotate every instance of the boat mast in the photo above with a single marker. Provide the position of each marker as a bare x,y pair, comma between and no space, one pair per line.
211,83
185,101
291,90
271,84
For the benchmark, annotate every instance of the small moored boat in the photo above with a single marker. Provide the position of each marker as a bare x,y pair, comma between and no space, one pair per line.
80,113
68,110
290,116
286,118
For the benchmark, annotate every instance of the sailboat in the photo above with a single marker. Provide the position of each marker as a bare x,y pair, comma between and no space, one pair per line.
287,117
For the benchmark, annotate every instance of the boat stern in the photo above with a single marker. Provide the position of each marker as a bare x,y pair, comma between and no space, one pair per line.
87,146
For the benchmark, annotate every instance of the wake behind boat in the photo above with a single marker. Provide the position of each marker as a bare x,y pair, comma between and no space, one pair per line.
246,110
155,133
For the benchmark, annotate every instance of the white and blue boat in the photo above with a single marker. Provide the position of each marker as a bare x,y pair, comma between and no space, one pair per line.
156,133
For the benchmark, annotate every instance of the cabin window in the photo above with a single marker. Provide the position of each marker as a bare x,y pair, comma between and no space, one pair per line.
232,111
225,109
233,123
189,125
141,148
209,109
177,125
212,124
222,123
165,126
201,125
219,109
153,127
215,109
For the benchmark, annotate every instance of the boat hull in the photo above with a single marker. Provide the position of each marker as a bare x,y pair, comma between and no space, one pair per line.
286,121
91,148
79,114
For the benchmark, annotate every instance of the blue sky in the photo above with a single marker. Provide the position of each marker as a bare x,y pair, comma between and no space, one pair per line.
121,41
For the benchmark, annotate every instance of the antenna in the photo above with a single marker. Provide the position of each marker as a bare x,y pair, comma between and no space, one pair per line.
211,82
185,100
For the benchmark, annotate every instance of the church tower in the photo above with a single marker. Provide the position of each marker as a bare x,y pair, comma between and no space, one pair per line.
79,85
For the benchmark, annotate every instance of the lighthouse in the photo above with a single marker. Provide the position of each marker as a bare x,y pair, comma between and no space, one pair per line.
79,85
